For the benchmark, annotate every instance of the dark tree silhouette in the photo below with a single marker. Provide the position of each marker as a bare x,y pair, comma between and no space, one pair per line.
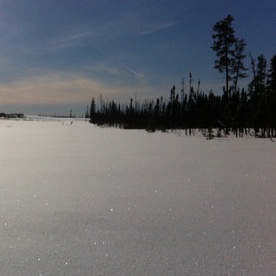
235,110
223,42
238,68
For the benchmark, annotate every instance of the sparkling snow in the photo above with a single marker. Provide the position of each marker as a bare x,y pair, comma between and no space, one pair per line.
81,200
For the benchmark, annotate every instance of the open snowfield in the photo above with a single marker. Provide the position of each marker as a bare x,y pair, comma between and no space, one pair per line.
82,200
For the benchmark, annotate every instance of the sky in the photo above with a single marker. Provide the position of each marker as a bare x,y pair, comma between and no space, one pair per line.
55,55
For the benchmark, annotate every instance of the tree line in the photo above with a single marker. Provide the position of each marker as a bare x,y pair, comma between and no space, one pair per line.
237,110
11,115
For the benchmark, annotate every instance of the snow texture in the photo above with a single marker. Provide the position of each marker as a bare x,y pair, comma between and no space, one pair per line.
82,200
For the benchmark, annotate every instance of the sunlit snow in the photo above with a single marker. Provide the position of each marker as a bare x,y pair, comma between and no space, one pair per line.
81,200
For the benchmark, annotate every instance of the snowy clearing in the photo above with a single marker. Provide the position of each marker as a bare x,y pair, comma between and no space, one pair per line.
81,200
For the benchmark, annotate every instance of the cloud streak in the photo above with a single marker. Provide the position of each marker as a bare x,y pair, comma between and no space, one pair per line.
71,40
154,28
95,34
119,63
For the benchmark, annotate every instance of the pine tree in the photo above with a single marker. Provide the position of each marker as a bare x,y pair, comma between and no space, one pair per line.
238,68
224,40
271,91
257,94
92,110
271,82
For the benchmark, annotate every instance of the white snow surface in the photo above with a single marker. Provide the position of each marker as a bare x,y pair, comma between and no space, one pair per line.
83,200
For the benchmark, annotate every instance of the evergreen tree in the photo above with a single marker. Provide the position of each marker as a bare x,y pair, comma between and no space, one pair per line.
92,110
238,68
272,75
271,92
257,94
223,42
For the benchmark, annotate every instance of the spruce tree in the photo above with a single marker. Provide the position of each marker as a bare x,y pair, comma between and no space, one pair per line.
223,42
238,68
92,110
257,93
271,91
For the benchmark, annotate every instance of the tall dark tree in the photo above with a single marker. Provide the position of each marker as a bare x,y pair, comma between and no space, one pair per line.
223,43
261,71
92,110
272,75
258,83
271,92
238,68
257,94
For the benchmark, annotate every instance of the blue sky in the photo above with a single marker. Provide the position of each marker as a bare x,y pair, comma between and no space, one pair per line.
55,55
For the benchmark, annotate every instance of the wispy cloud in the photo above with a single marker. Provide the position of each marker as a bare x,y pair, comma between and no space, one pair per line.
105,68
70,40
130,70
119,65
97,34
155,27
91,33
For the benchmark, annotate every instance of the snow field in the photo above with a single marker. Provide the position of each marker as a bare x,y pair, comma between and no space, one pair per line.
82,200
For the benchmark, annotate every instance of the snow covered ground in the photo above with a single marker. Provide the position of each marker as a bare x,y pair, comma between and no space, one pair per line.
82,200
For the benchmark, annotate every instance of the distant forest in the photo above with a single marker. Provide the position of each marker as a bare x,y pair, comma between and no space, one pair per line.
236,110
11,115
